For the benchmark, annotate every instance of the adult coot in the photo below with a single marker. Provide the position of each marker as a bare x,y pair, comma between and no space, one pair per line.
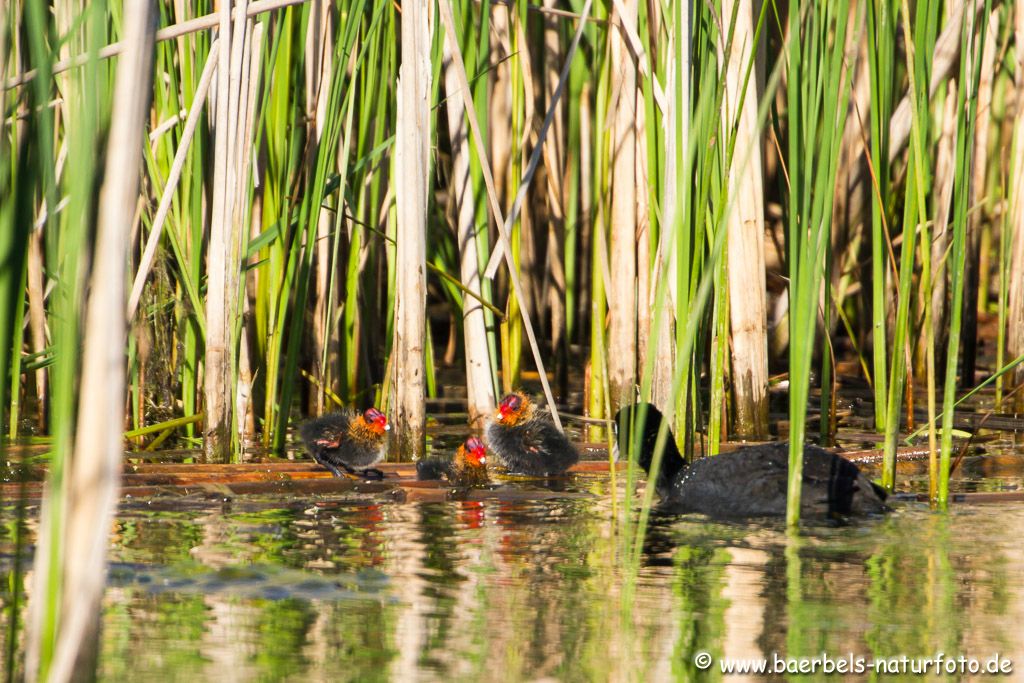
752,481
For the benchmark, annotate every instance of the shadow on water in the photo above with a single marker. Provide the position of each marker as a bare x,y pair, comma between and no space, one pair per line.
341,587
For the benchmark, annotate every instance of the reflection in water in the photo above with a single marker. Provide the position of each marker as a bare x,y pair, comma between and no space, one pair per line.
353,589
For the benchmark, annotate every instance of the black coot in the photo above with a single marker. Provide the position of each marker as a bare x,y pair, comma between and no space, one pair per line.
752,481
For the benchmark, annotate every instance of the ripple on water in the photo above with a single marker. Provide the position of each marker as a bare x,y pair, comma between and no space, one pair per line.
359,589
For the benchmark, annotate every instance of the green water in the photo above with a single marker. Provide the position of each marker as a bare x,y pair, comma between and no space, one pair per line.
351,588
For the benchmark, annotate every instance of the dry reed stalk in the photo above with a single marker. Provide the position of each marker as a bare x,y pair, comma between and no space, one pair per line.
627,22
745,225
1015,314
479,383
246,220
321,330
975,218
7,58
943,182
254,61
531,301
664,349
644,290
247,377
623,189
666,267
555,291
412,165
944,58
37,320
149,253
500,105
586,214
203,23
217,363
165,126
480,389
557,183
237,107
95,467
504,226
244,408
319,48
231,166
37,288
850,195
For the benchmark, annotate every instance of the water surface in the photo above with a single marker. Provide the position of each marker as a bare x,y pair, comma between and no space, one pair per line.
355,587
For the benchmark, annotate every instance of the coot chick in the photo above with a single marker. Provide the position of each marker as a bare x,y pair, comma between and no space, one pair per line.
467,468
752,481
347,443
527,441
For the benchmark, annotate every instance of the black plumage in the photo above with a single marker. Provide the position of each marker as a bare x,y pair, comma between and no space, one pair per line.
752,481
467,468
527,441
435,467
347,443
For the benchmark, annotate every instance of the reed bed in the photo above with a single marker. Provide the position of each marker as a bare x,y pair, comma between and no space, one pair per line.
665,200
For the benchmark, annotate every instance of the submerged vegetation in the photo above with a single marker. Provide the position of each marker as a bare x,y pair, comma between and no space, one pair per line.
219,219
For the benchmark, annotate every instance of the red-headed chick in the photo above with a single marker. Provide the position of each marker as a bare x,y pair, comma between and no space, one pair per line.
467,468
526,440
347,443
